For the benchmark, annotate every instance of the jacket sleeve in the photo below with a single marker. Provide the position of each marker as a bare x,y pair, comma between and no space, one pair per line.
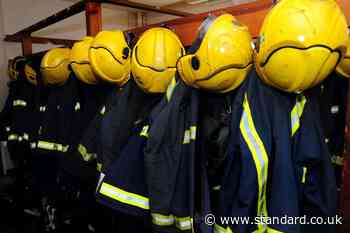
314,168
168,161
5,115
81,162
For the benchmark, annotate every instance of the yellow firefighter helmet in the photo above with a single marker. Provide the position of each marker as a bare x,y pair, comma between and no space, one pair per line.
109,56
154,58
300,43
54,66
80,63
221,56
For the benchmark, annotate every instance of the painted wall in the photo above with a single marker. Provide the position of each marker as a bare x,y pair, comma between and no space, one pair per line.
3,62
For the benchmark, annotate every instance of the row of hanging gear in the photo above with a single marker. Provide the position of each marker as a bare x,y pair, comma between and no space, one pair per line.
118,136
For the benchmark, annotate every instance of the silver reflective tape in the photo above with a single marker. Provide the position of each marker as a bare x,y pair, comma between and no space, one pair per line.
42,108
260,157
102,176
25,136
103,110
334,109
19,103
163,219
184,224
124,197
12,137
187,137
33,145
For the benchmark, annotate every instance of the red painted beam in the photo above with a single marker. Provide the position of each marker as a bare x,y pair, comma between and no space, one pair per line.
93,15
40,40
27,48
345,5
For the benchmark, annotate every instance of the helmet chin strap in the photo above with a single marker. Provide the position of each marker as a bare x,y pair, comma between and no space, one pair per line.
263,63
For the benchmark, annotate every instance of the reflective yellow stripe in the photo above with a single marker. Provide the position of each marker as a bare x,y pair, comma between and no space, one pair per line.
85,154
190,134
216,188
19,103
25,136
45,145
52,146
102,176
303,179
103,110
42,108
124,197
182,223
64,148
187,137
12,137
170,89
16,137
163,220
219,229
77,106
259,154
296,113
193,130
99,167
33,145
144,131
